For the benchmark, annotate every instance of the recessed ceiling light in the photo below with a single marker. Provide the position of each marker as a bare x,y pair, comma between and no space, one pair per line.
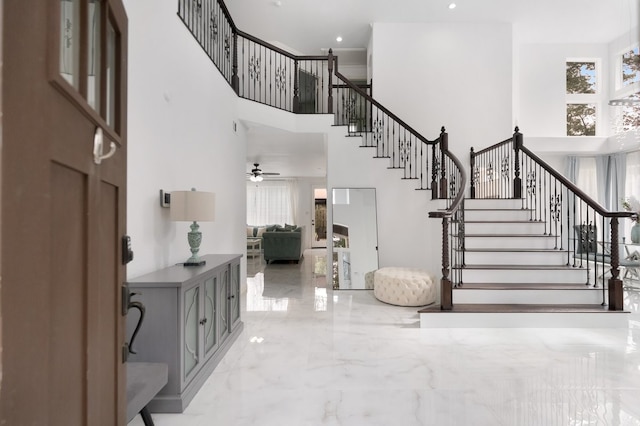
452,5
339,39
277,3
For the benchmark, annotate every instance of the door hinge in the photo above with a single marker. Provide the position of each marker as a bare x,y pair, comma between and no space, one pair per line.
125,352
126,298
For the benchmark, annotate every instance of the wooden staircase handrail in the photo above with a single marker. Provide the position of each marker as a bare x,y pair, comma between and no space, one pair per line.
580,193
377,104
278,49
492,147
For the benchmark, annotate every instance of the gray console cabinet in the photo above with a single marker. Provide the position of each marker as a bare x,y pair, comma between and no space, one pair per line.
192,318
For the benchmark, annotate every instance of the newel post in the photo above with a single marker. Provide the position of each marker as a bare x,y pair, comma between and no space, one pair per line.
517,182
434,173
235,80
444,146
296,88
472,163
615,283
446,289
330,70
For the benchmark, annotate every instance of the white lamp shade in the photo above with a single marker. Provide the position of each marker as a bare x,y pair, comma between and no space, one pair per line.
190,206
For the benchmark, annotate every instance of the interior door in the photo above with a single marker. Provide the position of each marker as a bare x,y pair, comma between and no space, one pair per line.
319,220
63,212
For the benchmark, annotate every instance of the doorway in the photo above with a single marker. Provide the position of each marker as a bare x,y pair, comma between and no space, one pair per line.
64,157
319,220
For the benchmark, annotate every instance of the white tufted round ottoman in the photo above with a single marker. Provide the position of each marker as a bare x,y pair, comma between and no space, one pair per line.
404,286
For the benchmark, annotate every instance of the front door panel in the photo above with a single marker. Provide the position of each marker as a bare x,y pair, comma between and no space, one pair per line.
63,214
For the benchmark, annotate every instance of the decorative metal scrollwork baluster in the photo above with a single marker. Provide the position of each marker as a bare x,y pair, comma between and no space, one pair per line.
531,183
227,47
504,168
281,79
405,152
349,107
555,207
378,131
213,27
475,175
254,68
198,7
452,186
489,172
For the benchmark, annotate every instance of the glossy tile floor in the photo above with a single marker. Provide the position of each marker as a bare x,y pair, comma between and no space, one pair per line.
313,356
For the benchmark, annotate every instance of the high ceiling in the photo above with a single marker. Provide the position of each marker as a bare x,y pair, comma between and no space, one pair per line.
310,27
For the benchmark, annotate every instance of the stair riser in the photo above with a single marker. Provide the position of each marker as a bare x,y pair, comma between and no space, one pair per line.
502,228
549,297
480,215
493,203
528,276
520,242
555,258
524,320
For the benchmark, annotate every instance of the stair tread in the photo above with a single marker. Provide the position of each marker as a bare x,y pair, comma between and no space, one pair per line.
513,250
468,209
504,221
505,235
530,267
526,286
519,308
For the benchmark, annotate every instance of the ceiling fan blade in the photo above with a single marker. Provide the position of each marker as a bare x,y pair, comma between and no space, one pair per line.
270,174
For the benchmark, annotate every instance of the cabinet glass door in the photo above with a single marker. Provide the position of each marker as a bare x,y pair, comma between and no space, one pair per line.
210,329
235,294
223,306
191,330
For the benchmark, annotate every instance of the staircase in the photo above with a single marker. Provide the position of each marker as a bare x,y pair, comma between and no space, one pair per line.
514,253
538,257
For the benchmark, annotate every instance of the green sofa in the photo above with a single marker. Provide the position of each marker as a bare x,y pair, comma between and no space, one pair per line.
282,243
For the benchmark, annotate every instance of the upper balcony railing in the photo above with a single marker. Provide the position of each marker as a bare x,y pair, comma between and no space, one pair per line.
262,72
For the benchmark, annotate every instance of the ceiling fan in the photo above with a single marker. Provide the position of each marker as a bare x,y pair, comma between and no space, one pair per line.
256,174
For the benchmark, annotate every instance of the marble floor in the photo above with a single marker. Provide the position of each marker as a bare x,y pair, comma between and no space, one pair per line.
309,355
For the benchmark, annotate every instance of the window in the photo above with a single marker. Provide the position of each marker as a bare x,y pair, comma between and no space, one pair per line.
269,203
581,77
631,66
582,91
581,119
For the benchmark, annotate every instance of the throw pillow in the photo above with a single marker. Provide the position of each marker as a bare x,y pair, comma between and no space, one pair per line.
249,231
261,230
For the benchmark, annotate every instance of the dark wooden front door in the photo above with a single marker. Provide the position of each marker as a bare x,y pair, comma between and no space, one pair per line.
63,214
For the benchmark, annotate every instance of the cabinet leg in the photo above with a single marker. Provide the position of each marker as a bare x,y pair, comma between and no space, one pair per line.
146,417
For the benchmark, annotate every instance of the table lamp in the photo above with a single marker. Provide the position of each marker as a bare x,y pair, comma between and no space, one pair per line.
193,206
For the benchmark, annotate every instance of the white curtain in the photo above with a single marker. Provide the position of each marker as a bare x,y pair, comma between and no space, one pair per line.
586,178
632,187
271,202
571,168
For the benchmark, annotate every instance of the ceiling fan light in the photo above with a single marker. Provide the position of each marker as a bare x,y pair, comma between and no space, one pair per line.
255,178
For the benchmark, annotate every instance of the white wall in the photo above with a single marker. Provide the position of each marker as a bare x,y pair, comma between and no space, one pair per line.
181,135
406,236
542,86
456,75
